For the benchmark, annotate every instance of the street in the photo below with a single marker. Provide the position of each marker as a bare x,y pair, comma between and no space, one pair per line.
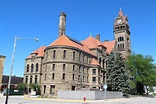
35,100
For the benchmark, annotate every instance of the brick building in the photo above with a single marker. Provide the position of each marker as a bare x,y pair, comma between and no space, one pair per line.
2,59
67,64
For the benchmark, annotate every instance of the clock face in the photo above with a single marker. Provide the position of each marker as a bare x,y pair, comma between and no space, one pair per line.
119,21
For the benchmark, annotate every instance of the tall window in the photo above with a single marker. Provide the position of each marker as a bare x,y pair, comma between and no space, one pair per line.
79,77
80,69
36,67
53,75
103,64
26,79
52,89
87,71
54,53
63,76
45,76
31,79
32,67
45,68
94,79
73,76
27,67
87,79
87,60
44,89
80,57
94,71
121,46
53,67
64,66
83,58
73,67
64,54
100,60
83,78
35,78
73,55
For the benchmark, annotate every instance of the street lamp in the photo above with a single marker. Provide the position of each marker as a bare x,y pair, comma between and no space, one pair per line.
105,87
12,62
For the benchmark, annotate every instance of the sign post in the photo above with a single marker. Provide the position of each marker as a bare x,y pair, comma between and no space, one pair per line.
105,90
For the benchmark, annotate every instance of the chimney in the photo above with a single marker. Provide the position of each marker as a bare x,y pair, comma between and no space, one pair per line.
98,37
62,24
106,40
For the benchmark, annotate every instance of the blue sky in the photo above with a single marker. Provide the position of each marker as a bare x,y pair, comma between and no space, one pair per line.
40,18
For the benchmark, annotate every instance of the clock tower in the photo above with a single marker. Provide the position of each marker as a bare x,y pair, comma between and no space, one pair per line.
122,34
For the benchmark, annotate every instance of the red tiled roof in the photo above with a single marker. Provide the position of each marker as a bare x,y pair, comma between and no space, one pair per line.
91,42
94,62
39,51
64,40
109,45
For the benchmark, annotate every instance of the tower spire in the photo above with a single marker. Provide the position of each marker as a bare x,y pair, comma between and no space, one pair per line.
120,12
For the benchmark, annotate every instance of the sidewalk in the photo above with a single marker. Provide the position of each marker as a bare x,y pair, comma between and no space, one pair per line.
76,100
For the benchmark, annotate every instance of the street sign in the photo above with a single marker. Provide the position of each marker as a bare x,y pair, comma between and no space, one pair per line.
105,86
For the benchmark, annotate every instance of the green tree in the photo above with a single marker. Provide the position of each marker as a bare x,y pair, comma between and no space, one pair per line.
142,72
34,86
21,86
117,73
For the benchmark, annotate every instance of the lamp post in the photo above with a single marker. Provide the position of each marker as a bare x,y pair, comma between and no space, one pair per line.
105,89
12,63
81,69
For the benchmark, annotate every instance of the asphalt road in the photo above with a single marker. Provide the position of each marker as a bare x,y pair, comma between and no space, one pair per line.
35,100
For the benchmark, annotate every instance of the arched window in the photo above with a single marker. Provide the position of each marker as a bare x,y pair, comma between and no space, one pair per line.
73,55
100,60
123,27
80,57
64,54
36,67
120,39
120,27
103,63
32,67
54,53
35,78
27,67
26,79
31,79
73,67
64,66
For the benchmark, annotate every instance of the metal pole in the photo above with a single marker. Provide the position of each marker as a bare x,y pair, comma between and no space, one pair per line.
12,63
81,68
105,88
105,94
